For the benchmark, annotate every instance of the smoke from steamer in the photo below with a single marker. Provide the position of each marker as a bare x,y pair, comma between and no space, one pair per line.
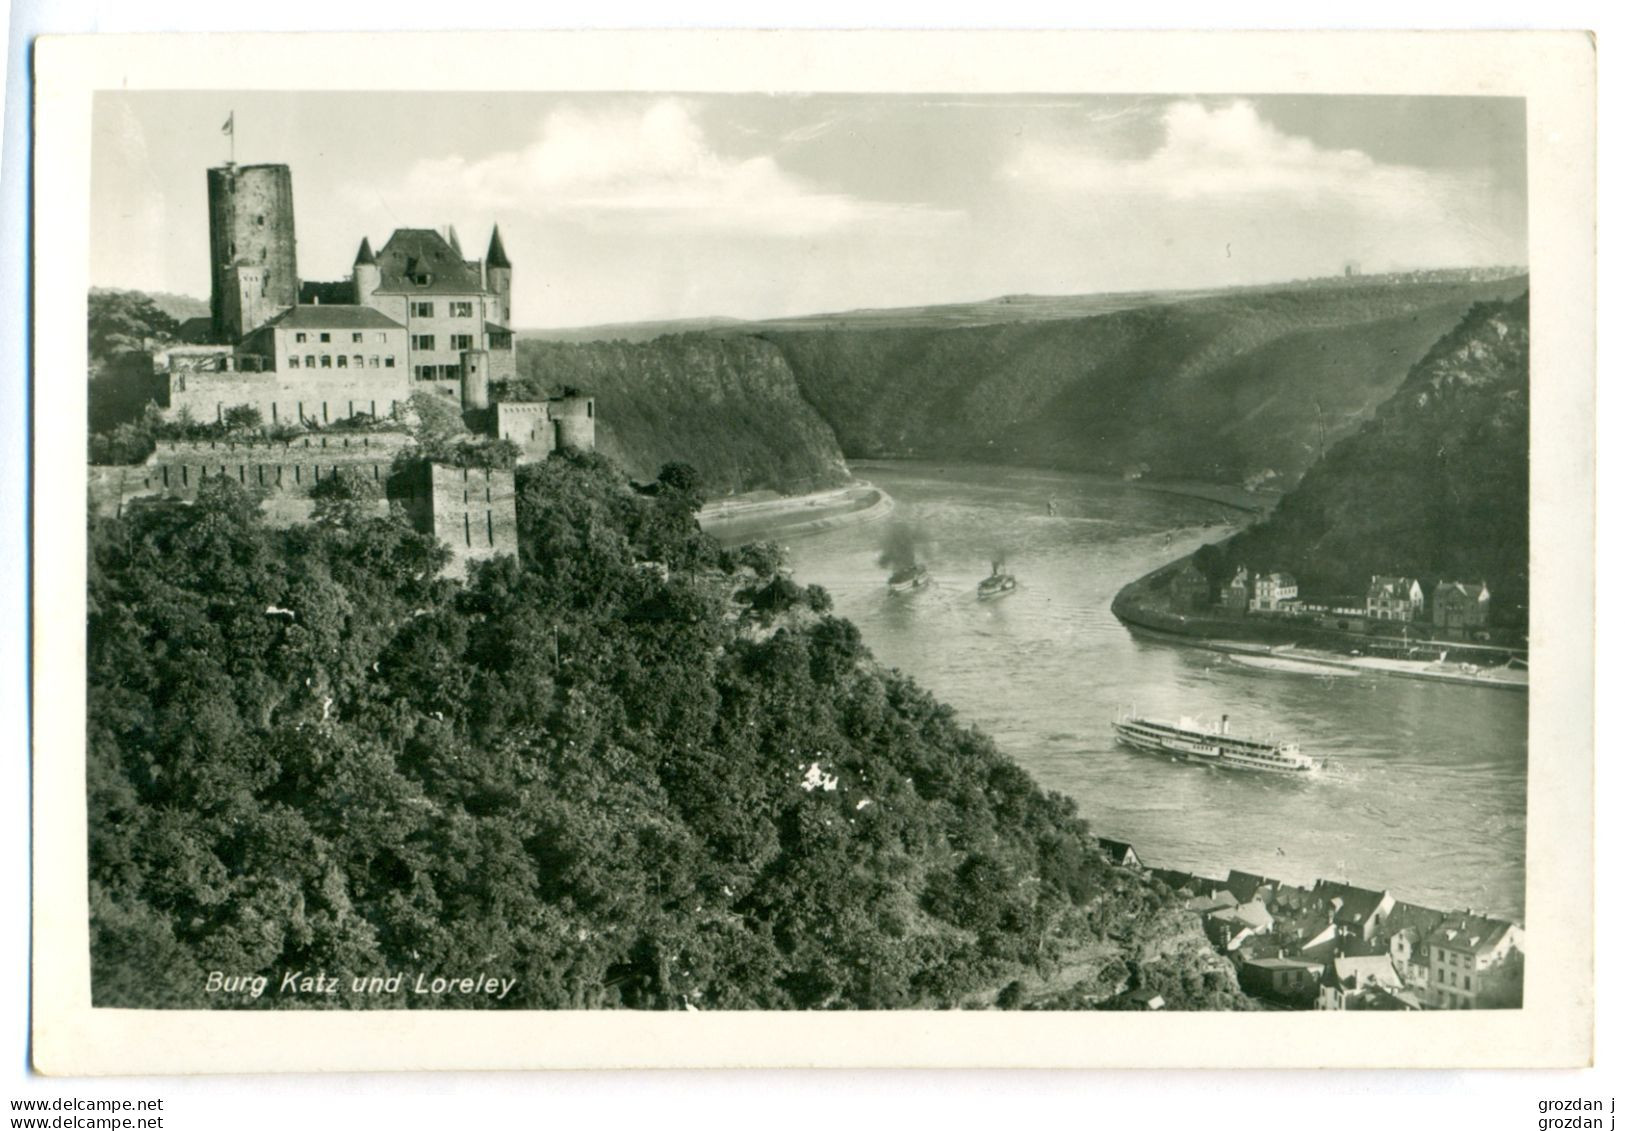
900,550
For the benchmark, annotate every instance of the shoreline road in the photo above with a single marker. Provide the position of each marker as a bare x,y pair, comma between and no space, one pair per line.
747,520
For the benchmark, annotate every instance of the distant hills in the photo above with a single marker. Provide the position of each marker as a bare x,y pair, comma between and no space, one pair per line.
178,307
1245,385
630,331
1242,386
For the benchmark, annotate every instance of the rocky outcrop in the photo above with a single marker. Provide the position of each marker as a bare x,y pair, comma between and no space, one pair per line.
1435,485
730,407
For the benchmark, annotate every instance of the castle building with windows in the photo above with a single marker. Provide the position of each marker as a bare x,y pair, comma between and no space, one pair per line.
415,316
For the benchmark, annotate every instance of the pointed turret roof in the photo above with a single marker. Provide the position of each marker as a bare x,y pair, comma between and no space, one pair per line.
364,254
496,256
451,238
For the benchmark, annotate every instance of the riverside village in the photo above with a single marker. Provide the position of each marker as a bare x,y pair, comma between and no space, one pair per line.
293,388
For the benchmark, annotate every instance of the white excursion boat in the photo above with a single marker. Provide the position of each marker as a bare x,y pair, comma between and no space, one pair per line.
1214,745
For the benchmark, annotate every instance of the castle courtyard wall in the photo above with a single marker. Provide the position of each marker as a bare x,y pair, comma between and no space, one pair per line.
290,398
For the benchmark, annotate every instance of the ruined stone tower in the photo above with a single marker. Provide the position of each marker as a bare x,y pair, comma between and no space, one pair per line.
253,270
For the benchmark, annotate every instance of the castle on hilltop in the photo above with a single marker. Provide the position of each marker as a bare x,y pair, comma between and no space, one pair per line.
415,316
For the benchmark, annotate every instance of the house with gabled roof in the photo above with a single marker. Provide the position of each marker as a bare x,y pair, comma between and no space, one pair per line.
1393,598
1356,911
1237,592
1460,607
1246,886
1404,933
1349,976
1228,927
1273,592
1291,981
1459,952
1120,852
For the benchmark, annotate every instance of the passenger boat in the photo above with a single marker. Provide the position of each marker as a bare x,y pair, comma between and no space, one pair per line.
1213,745
995,584
909,578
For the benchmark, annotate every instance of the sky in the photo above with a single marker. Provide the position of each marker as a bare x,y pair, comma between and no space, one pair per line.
623,207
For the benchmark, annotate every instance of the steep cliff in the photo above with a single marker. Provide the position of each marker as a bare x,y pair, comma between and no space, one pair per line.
1227,388
1435,485
728,406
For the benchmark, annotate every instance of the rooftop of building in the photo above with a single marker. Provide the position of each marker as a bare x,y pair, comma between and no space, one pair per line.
334,316
1471,934
420,261
1283,963
1357,904
1117,850
1354,971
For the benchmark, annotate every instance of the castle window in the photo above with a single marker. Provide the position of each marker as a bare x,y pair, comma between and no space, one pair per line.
380,336
259,220
360,362
356,337
293,361
462,341
327,361
300,336
422,309
326,337
372,362
389,361
310,361
462,310
423,341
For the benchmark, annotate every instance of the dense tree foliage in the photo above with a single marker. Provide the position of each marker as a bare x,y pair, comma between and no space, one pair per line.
121,325
628,768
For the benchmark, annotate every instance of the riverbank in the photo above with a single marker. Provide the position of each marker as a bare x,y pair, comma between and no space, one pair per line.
757,517
1292,647
1230,496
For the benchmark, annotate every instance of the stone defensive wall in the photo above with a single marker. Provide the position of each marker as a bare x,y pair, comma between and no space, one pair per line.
540,428
291,467
470,509
282,398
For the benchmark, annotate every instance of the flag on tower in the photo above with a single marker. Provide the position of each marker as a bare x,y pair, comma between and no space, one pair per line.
230,128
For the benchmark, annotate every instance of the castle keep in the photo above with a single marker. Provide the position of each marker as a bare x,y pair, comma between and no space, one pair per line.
416,316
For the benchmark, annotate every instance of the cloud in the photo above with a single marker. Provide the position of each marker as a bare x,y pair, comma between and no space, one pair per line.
650,168
1230,153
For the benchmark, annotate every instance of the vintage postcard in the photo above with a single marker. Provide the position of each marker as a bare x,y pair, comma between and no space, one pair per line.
696,549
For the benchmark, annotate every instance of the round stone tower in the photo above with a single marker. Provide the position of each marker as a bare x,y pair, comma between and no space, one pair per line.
573,421
476,376
499,279
250,225
364,275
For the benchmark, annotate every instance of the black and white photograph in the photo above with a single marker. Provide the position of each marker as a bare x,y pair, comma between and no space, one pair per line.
1004,552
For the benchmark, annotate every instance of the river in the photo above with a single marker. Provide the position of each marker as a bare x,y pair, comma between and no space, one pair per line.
1426,791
